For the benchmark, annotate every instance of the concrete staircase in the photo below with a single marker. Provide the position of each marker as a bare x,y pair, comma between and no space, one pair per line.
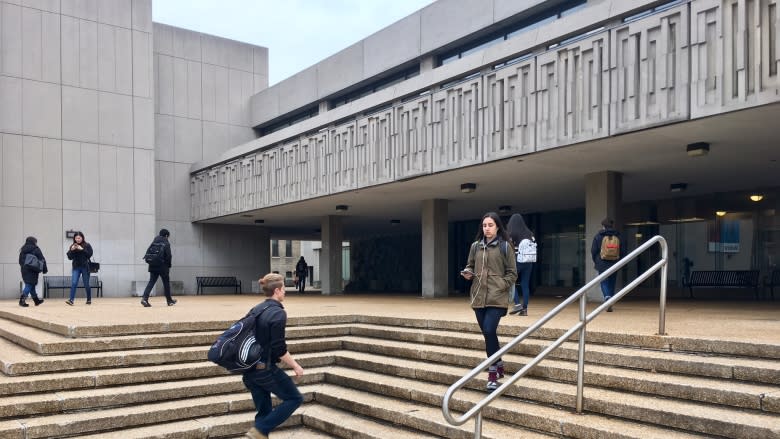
378,377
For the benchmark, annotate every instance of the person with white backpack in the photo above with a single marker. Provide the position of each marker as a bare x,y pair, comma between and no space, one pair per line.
525,243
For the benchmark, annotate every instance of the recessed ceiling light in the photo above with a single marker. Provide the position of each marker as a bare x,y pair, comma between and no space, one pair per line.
678,187
756,197
468,188
504,209
720,212
259,221
697,149
342,208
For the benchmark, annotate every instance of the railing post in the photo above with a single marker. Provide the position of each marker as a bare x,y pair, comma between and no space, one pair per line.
478,425
581,356
662,307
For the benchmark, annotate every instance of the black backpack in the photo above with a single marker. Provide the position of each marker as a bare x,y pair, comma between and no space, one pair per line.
237,349
155,254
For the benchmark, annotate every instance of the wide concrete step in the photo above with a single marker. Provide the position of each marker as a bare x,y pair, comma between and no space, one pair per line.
45,342
738,368
345,424
224,426
110,419
16,360
413,415
715,391
603,403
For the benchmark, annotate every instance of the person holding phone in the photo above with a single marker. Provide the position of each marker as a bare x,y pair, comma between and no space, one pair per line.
79,252
491,268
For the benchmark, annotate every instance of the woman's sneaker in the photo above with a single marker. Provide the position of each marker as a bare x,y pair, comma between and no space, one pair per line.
523,312
517,308
492,383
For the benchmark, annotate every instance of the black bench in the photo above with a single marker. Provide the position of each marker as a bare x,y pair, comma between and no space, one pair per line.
773,281
217,281
63,283
724,278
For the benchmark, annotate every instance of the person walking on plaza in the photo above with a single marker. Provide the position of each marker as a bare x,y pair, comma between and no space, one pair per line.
606,250
30,272
267,378
159,257
491,263
301,271
523,239
79,252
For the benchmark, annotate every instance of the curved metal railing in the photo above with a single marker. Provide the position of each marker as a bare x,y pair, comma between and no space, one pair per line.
580,295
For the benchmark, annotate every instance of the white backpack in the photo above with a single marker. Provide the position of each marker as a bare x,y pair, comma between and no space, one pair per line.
526,251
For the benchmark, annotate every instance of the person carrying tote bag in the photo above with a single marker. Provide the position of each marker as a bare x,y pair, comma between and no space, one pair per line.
32,263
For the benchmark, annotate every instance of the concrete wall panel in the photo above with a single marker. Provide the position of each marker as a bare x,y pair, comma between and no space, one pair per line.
186,44
215,50
115,12
52,173
41,109
71,175
50,47
125,180
90,162
12,232
241,56
11,48
164,84
447,20
163,39
10,105
391,46
46,226
216,138
115,113
142,15
188,140
142,64
107,65
265,105
86,9
340,70
143,169
88,54
31,43
13,168
80,114
300,89
32,188
164,137
455,125
260,60
107,178
503,9
143,123
194,90
70,50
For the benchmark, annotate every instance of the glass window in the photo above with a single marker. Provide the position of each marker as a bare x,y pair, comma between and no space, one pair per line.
275,248
288,248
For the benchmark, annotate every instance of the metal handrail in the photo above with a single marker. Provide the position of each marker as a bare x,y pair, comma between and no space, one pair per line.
580,326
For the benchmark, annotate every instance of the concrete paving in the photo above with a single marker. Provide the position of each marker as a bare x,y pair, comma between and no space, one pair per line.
742,321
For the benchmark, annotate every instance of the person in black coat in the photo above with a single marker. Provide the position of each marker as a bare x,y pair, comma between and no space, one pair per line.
301,271
79,252
160,269
608,284
29,275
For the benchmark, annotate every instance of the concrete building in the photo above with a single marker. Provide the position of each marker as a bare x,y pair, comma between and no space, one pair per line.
656,113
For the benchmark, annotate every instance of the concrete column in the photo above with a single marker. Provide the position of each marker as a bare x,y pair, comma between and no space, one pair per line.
263,255
330,256
427,63
324,107
603,196
435,250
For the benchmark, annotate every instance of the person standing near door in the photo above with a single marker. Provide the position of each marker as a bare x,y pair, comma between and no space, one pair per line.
301,272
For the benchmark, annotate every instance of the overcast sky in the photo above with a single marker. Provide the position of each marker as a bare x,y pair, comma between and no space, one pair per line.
297,33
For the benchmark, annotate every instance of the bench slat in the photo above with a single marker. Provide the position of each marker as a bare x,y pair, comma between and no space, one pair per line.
724,278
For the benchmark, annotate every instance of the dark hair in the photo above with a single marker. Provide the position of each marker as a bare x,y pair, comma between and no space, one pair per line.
517,229
83,239
270,282
29,241
608,223
165,233
500,233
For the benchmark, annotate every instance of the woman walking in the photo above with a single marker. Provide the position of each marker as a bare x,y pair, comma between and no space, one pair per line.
524,240
30,274
79,252
491,264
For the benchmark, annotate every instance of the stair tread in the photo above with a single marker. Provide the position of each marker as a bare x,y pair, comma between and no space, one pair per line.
596,398
344,420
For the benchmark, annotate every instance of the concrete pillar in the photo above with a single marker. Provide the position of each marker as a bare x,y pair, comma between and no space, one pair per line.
427,63
435,250
603,196
324,107
263,248
330,256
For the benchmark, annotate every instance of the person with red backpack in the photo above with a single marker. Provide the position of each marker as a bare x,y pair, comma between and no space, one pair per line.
606,250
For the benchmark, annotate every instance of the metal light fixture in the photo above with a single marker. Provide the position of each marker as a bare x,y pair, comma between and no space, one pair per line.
678,187
720,212
259,221
70,234
756,197
503,210
395,222
468,188
698,149
342,208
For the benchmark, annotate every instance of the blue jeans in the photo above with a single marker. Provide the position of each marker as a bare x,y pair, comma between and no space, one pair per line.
74,282
608,286
29,289
524,273
488,319
262,383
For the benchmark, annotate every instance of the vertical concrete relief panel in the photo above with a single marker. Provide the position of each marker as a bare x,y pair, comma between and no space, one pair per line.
455,125
413,138
375,148
339,159
735,55
509,101
573,93
649,71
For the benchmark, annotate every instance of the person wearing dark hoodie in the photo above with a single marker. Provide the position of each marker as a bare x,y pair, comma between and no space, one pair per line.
30,275
603,262
159,267
79,252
